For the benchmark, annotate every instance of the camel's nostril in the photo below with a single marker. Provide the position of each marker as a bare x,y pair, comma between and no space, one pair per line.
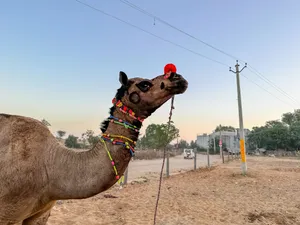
162,85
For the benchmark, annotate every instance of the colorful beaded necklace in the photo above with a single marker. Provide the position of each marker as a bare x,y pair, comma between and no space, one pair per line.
123,108
117,139
127,125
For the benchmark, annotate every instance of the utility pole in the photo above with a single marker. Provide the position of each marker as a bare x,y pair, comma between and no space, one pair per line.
242,135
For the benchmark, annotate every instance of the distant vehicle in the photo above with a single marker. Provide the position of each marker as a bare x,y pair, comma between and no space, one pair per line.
188,153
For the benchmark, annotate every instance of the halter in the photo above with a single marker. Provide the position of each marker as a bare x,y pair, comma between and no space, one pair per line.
119,139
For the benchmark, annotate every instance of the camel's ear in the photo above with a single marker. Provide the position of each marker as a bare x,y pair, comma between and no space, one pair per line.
123,78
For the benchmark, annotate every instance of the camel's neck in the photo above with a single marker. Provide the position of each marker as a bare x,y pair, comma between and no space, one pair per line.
76,175
127,126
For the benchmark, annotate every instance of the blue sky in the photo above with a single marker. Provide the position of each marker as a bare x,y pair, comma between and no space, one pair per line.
60,59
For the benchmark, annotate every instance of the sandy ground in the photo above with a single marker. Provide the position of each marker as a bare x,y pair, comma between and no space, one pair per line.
269,194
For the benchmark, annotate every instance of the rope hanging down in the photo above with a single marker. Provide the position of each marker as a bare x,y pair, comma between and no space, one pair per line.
163,163
169,68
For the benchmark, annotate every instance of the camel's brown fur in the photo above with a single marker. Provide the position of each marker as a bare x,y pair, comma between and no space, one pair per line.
36,170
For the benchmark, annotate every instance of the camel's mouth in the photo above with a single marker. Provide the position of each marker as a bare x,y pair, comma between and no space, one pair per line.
177,86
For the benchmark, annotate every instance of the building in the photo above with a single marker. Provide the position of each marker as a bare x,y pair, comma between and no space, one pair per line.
202,141
230,138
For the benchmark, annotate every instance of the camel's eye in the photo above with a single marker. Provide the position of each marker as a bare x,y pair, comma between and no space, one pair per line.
144,86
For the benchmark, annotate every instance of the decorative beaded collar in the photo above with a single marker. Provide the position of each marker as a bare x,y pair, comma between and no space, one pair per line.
119,139
124,109
127,125
116,140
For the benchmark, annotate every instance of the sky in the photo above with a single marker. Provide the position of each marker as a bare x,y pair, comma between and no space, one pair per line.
60,60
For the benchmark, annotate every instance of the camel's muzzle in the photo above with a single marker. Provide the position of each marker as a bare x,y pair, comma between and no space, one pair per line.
178,84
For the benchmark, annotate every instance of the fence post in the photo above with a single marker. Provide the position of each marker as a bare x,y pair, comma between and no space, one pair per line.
208,162
126,176
195,158
222,154
168,162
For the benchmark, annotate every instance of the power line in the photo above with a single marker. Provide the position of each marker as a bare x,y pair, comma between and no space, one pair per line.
251,68
154,35
267,91
180,46
170,25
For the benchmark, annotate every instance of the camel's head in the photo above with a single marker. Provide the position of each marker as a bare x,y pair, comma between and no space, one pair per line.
144,96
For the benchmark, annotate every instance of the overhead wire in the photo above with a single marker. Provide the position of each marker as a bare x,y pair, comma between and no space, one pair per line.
266,90
173,43
152,34
251,68
172,26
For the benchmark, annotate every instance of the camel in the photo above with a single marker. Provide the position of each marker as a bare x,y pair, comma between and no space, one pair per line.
36,170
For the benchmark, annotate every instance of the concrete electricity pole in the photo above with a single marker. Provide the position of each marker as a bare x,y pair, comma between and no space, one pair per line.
242,135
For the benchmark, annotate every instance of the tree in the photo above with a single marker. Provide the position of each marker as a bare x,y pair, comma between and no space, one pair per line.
295,135
194,145
61,133
89,136
276,134
46,123
140,142
257,137
297,114
288,118
158,136
83,140
72,142
224,128
183,144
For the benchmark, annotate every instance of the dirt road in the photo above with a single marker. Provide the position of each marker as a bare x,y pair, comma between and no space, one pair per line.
138,168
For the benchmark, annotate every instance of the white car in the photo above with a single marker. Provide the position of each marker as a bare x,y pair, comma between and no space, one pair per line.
188,153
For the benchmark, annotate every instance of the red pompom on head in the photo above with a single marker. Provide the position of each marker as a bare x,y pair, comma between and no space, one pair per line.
170,68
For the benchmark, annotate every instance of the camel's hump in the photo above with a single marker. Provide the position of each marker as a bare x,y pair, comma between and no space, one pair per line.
22,125
12,117
5,115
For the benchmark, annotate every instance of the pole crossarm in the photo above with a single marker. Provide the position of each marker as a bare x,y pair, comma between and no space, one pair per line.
238,65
